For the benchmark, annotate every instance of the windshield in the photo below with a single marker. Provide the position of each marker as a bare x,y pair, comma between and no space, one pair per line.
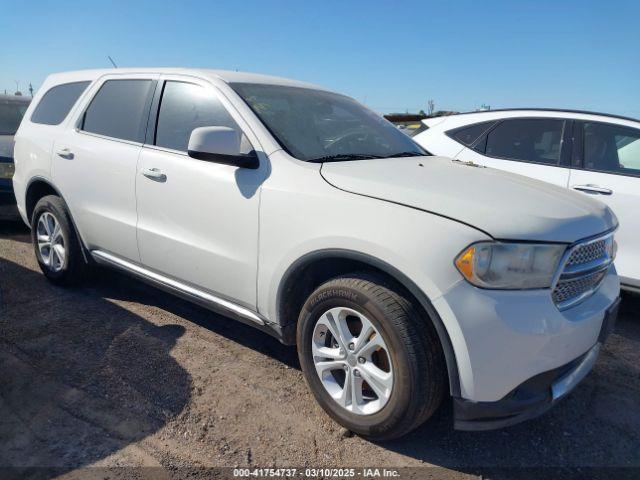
11,113
314,125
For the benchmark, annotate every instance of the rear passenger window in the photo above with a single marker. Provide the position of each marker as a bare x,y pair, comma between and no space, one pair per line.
183,108
531,140
120,109
611,148
468,135
57,102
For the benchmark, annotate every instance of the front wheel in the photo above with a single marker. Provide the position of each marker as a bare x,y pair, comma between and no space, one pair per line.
371,358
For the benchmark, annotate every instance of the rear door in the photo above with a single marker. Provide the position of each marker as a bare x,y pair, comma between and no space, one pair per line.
94,162
534,147
607,167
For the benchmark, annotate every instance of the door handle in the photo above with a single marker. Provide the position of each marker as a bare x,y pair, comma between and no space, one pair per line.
154,174
65,153
593,189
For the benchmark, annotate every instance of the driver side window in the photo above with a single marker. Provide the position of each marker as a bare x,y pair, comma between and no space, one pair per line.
185,107
611,148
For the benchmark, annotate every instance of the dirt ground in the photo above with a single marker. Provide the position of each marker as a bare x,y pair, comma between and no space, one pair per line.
117,373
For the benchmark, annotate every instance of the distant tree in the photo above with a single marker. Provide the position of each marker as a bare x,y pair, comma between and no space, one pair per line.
432,106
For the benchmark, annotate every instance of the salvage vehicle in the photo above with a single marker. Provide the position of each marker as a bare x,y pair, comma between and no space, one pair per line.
402,278
593,153
12,108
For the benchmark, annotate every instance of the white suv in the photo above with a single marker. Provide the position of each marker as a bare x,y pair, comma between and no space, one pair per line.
593,153
400,276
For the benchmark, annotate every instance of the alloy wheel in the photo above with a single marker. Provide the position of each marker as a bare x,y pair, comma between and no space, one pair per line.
51,243
352,360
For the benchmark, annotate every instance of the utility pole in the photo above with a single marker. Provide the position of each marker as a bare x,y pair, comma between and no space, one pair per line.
30,89
432,107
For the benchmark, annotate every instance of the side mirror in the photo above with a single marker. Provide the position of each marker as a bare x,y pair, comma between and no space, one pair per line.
220,145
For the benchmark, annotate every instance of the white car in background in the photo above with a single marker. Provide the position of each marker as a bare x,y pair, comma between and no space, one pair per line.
593,153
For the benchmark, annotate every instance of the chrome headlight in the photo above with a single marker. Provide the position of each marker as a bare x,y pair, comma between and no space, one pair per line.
510,266
7,169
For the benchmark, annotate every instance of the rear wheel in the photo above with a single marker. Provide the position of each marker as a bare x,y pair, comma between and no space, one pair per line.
56,244
371,358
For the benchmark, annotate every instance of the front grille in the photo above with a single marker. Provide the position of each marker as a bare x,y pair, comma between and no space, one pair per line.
588,253
583,271
570,289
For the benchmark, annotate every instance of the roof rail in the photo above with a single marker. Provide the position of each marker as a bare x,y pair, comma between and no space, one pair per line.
564,110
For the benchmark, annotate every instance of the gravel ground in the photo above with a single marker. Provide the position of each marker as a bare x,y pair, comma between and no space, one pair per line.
117,373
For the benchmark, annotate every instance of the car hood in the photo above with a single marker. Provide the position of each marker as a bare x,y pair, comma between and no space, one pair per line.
504,205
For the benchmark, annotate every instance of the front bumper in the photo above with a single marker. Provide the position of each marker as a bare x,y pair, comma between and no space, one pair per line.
535,396
503,338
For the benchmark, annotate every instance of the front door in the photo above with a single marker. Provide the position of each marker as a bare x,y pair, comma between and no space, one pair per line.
609,158
197,220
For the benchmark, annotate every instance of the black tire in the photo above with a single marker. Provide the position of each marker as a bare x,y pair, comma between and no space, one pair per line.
74,266
416,354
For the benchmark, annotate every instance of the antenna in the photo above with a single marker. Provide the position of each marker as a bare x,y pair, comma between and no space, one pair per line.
112,62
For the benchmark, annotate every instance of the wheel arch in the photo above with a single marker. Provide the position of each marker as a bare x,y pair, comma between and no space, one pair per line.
39,187
313,268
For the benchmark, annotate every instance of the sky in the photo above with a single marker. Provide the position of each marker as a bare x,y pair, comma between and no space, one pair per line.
393,56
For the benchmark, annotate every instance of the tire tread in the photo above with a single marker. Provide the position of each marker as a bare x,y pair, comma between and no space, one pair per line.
420,339
77,268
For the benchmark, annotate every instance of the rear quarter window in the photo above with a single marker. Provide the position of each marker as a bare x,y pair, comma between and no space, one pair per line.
468,134
57,102
413,130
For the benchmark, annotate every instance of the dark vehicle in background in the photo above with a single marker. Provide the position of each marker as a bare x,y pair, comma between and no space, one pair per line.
12,108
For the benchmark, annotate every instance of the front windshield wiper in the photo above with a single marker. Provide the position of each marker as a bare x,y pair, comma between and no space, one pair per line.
360,156
343,157
406,154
